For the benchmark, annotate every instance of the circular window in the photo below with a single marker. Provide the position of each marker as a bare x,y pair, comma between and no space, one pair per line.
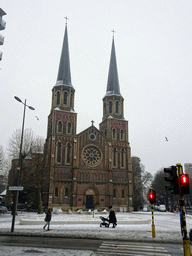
91,155
92,136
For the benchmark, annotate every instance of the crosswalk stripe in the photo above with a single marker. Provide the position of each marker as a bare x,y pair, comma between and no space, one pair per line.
136,249
146,248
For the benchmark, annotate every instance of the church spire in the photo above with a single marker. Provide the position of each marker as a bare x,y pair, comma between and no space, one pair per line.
63,92
64,73
113,100
113,80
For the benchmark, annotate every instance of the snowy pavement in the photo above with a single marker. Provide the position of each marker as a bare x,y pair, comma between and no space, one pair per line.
129,228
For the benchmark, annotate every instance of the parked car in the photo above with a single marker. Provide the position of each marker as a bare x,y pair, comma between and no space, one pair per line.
145,208
162,208
3,209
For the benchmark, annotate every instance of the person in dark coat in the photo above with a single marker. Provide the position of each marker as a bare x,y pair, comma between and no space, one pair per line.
112,217
48,219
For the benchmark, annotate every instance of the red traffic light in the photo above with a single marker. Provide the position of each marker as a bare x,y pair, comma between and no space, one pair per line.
152,196
184,184
184,179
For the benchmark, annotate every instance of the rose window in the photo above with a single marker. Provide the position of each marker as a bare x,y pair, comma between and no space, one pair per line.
91,155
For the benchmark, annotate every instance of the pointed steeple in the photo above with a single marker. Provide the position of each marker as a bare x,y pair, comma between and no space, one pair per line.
63,92
64,73
113,80
113,100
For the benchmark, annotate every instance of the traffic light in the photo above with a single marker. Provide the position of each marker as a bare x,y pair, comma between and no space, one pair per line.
152,196
173,185
184,184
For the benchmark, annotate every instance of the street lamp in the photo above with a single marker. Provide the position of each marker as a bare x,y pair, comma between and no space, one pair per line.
20,161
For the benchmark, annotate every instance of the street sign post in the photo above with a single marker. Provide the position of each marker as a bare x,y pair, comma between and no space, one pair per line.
16,188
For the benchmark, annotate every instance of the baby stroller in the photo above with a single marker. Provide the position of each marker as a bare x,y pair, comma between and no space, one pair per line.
105,222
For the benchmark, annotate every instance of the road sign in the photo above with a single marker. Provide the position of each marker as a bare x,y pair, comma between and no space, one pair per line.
16,188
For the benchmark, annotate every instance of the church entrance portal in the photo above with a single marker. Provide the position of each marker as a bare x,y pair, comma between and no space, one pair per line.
90,197
89,202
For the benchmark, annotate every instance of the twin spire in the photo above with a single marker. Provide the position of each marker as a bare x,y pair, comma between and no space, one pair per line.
113,80
64,73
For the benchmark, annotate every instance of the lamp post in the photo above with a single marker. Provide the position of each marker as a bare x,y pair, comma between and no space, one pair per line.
20,161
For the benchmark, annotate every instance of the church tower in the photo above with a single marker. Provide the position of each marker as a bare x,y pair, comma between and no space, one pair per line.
114,128
61,132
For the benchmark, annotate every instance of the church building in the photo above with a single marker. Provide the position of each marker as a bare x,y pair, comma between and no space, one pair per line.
91,169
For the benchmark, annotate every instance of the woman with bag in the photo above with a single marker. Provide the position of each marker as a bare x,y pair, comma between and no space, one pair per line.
47,219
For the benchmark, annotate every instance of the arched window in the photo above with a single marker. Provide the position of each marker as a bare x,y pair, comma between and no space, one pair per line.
121,134
123,194
65,98
68,158
114,133
122,158
114,156
110,107
59,126
114,193
59,152
58,98
71,100
117,106
66,192
56,192
69,127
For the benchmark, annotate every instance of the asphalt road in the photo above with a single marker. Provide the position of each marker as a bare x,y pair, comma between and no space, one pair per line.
99,247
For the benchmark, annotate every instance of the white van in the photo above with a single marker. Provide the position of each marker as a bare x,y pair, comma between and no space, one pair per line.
162,208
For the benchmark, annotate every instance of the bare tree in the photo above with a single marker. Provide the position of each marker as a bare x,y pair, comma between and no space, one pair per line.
31,143
4,169
164,196
141,182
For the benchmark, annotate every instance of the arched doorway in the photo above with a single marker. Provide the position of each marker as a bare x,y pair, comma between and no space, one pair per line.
90,199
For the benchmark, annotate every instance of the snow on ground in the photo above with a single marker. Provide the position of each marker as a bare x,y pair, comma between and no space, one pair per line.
163,221
167,227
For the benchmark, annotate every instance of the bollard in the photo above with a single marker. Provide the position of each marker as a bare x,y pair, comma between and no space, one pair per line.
153,225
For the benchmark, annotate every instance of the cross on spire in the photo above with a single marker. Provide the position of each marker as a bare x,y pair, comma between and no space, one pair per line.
66,20
92,122
113,31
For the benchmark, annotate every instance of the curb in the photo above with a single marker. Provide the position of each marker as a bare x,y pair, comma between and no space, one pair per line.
97,236
75,222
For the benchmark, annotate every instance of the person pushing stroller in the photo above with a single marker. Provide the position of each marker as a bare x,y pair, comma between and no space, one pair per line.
111,219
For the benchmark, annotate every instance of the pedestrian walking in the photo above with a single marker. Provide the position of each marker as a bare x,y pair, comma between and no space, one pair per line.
112,217
48,219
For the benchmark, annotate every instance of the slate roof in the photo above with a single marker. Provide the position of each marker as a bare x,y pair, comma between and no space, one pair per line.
113,80
64,73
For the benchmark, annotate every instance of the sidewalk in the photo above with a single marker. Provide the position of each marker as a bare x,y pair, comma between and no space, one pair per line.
131,227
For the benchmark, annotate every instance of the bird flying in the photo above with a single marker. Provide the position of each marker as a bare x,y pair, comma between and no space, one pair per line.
37,118
166,139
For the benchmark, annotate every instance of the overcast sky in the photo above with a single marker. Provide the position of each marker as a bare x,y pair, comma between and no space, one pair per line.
153,43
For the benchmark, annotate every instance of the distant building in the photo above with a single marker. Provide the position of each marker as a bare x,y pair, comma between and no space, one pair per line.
188,168
32,177
2,27
3,183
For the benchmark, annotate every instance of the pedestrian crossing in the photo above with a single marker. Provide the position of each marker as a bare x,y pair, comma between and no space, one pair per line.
129,248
